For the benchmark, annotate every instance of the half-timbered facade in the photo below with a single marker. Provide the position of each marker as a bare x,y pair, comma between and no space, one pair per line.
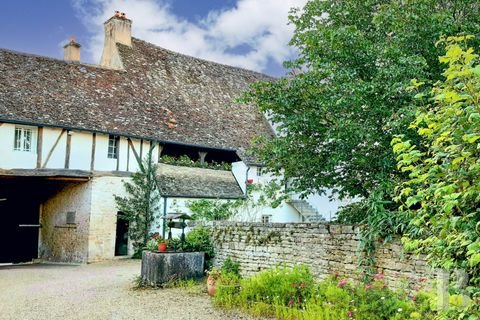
71,132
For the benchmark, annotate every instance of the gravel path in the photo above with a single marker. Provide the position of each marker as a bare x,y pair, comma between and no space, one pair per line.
96,291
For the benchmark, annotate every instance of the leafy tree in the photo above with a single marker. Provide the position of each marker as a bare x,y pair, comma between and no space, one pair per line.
442,193
259,196
345,97
140,206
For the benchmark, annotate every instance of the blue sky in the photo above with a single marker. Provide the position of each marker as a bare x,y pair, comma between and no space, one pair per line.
247,33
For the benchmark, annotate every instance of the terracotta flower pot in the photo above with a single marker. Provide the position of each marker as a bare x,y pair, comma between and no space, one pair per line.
162,247
211,288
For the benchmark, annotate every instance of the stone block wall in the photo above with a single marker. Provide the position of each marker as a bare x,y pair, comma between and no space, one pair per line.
326,248
103,217
59,241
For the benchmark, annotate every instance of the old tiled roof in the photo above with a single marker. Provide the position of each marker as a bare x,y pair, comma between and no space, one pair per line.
175,181
161,95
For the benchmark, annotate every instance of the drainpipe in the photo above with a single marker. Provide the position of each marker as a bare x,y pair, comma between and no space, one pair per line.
164,216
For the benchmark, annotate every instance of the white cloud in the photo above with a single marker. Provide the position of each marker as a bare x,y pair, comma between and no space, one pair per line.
259,24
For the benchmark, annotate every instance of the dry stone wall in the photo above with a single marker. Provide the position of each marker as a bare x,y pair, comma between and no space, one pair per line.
326,248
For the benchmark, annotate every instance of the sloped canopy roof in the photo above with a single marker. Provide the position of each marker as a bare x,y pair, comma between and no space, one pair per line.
161,95
185,182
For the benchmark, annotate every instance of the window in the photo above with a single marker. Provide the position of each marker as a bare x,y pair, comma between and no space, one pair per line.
259,171
23,139
113,142
266,219
71,217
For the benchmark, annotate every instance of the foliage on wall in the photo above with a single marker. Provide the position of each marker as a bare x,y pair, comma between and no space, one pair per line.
185,161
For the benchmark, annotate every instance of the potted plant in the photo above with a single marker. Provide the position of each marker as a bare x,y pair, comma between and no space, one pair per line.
162,245
157,242
213,275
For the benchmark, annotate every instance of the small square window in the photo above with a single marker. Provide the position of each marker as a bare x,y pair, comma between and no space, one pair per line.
266,219
71,217
113,143
259,172
23,139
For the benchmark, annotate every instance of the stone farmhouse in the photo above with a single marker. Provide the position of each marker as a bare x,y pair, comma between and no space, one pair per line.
71,132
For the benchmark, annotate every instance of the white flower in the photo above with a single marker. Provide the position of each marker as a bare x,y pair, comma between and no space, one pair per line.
383,298
400,309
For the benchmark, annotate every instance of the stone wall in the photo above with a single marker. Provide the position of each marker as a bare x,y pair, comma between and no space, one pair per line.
327,249
59,241
103,218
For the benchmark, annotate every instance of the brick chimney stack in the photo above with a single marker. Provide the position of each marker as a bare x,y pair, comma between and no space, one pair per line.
71,51
118,29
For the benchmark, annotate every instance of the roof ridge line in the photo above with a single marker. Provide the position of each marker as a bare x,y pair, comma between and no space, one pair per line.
202,59
74,63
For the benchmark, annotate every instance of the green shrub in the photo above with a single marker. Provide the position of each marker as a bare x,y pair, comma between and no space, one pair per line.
231,267
198,239
276,286
293,294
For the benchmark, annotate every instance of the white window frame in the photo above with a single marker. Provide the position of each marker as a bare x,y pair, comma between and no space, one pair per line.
259,171
113,145
24,139
266,218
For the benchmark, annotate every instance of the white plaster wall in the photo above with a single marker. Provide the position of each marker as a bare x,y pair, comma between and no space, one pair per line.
59,242
102,162
286,213
325,206
57,159
239,170
80,150
10,159
123,154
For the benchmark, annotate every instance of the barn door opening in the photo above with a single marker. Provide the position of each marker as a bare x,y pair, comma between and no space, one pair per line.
18,229
121,240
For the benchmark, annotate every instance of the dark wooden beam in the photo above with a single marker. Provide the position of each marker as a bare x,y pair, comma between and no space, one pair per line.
53,148
141,150
39,147
67,179
139,160
118,153
128,156
68,148
92,157
160,150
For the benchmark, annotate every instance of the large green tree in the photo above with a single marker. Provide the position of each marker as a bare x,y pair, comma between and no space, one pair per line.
345,97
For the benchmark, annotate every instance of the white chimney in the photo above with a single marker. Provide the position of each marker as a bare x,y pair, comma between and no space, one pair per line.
71,51
118,29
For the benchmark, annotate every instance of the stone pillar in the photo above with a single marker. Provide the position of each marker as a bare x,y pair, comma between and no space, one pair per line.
202,157
442,288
